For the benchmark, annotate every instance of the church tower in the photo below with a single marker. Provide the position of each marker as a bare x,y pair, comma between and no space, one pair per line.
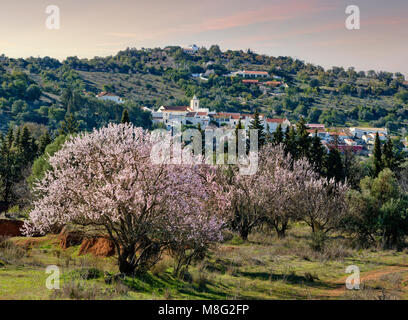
195,104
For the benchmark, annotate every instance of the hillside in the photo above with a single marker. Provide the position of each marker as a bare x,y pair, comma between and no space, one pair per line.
35,89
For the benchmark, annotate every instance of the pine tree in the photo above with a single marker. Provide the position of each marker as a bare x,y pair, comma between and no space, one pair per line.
317,153
125,116
377,156
44,141
9,165
268,134
303,138
391,159
17,138
334,165
25,146
238,127
290,143
257,125
278,136
69,125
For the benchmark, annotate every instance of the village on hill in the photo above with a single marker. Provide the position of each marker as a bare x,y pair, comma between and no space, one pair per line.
359,140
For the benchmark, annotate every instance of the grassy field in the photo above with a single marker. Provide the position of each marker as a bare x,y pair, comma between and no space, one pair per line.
262,268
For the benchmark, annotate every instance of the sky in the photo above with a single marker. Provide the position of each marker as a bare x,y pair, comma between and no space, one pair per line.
310,30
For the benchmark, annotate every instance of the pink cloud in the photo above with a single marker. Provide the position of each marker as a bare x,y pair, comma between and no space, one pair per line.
278,12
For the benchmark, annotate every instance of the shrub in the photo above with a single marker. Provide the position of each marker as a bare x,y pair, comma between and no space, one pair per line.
318,241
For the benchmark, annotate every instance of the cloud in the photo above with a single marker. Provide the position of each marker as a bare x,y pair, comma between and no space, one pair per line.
278,12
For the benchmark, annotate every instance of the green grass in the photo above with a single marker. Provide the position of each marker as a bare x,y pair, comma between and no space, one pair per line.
262,268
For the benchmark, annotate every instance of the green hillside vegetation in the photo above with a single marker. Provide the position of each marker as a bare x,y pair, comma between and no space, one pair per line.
41,90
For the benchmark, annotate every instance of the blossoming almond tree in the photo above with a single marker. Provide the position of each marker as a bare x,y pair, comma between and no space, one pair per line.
295,191
281,179
106,179
282,190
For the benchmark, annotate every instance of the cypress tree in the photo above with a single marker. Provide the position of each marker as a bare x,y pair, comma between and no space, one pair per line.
334,165
377,156
278,135
125,116
257,125
317,153
391,159
290,143
303,138
44,141
238,127
69,125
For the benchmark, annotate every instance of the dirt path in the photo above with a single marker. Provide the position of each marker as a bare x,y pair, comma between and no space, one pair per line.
366,276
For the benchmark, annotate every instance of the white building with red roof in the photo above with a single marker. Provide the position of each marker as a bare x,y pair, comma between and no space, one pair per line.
251,74
107,96
272,124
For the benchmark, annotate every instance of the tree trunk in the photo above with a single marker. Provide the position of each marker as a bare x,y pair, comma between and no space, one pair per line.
244,232
125,266
281,233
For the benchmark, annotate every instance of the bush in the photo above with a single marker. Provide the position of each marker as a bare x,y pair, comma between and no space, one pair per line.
87,274
318,241
77,290
162,266
10,253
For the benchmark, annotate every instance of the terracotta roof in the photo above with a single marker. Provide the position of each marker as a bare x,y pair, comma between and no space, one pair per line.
175,108
103,94
315,125
343,134
255,72
228,114
250,81
276,120
318,130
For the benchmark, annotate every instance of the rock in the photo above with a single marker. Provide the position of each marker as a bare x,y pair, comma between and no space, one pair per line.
99,247
70,237
11,228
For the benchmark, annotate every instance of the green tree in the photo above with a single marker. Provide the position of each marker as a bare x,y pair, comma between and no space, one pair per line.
238,127
278,136
334,165
43,142
125,116
303,138
257,125
317,153
379,212
377,156
27,147
290,143
41,164
9,165
69,125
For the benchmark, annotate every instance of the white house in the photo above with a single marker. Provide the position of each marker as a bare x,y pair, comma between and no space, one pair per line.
107,96
192,49
359,131
251,74
405,143
191,114
272,124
